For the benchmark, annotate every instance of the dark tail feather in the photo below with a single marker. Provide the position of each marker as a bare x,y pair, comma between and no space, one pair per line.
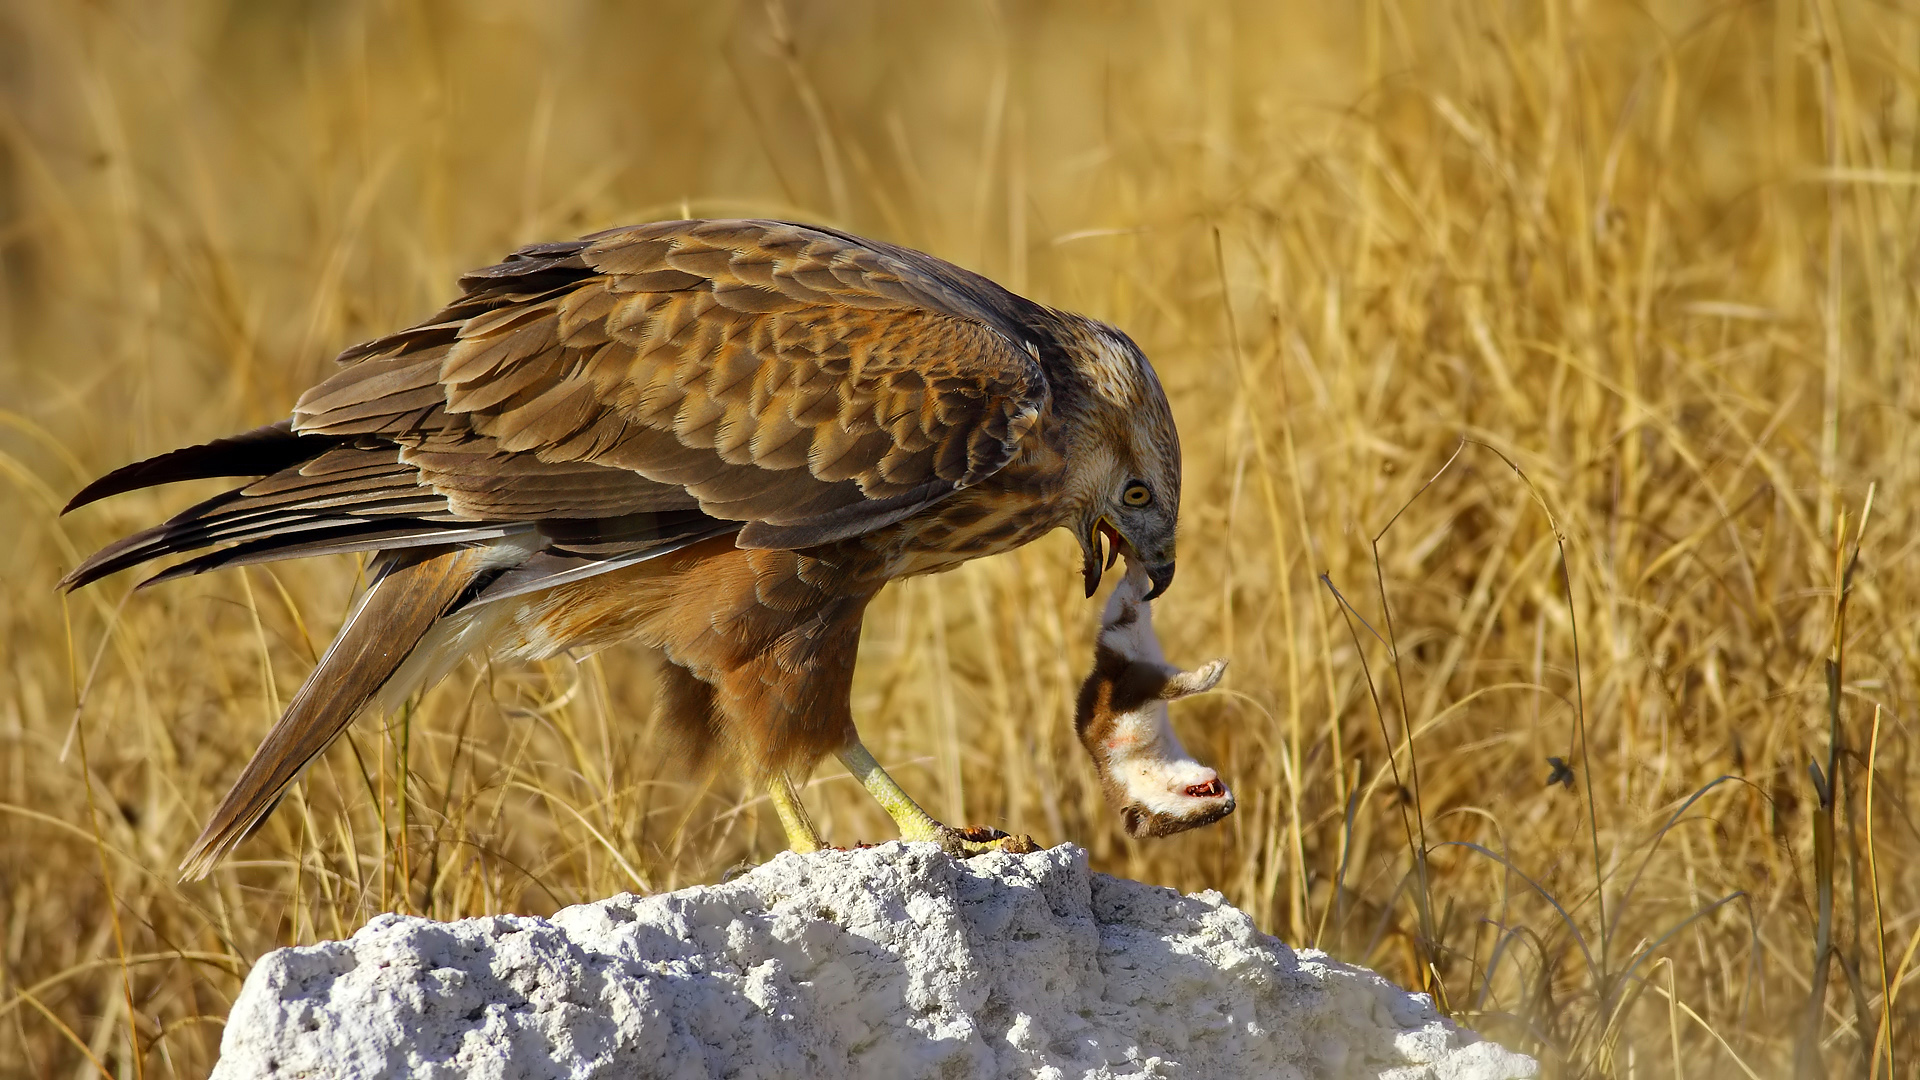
255,453
403,604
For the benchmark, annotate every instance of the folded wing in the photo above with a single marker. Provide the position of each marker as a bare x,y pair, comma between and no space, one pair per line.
645,387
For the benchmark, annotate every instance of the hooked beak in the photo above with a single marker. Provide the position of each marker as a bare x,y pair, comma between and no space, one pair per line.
1161,576
1104,544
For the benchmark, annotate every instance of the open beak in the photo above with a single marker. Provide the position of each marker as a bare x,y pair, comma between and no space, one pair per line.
1100,558
1104,545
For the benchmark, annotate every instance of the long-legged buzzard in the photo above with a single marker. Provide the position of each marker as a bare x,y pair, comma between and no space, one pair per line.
716,438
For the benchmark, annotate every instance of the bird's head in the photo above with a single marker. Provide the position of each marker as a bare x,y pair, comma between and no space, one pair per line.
1125,479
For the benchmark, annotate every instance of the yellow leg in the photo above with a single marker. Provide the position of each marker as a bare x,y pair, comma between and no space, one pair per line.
914,823
801,835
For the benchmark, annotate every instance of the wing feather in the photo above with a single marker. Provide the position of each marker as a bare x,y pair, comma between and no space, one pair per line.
757,366
794,383
254,453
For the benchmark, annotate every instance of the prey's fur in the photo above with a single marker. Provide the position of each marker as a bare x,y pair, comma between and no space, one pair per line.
1148,777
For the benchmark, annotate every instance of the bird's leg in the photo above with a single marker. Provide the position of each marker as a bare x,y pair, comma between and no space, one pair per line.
915,823
801,835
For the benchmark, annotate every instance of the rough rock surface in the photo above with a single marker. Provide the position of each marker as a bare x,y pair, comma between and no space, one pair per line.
891,961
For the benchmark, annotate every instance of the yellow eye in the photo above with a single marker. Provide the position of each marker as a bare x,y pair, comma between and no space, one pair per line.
1136,494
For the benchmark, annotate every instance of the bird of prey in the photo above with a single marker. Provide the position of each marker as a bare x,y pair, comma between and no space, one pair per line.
717,439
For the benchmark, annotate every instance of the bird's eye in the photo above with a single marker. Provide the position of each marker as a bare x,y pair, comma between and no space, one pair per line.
1136,494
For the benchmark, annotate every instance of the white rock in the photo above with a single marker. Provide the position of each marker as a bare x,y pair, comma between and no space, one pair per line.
887,962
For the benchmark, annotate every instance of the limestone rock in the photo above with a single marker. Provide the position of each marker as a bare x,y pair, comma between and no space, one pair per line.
888,962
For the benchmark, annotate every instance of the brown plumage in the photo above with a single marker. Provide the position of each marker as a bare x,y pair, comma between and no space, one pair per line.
716,438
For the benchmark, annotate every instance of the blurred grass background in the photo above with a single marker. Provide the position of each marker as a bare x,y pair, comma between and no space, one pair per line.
1661,258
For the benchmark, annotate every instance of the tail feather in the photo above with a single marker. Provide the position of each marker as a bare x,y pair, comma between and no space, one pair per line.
412,593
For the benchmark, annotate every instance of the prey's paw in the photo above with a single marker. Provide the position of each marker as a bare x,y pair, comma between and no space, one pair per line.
970,840
1198,681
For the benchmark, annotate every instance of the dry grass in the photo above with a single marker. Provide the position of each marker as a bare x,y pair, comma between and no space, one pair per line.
1661,259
